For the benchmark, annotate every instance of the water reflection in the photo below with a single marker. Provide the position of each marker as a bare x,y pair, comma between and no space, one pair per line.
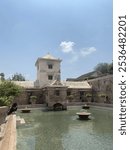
63,131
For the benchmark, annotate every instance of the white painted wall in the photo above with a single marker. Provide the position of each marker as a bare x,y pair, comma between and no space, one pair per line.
43,71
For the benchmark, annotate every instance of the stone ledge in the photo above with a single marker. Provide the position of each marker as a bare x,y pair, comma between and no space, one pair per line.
8,141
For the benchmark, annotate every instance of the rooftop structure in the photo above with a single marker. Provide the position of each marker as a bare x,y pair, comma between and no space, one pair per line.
48,70
25,84
77,85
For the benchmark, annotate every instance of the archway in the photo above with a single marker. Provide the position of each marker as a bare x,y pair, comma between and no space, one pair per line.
58,106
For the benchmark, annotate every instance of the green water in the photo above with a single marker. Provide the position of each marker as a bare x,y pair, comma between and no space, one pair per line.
63,130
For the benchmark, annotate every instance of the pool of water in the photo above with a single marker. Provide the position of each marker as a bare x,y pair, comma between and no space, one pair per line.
62,130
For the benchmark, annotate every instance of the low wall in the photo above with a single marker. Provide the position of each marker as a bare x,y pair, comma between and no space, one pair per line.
31,106
90,103
8,140
3,113
101,104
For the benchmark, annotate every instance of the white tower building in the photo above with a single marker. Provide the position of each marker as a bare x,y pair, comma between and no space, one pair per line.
48,70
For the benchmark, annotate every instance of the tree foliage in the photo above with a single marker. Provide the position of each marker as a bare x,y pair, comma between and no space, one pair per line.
2,76
18,77
6,101
8,91
104,68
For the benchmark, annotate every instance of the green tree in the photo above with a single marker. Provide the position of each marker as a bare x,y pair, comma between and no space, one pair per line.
2,76
6,101
18,77
102,67
8,91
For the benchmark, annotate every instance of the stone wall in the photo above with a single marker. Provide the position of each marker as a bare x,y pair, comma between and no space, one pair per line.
24,97
101,92
79,95
102,89
56,95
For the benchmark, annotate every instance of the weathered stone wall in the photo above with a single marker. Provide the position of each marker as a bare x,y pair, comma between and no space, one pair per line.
52,98
78,97
48,96
102,89
101,92
24,97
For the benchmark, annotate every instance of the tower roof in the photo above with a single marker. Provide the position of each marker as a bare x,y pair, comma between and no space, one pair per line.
49,56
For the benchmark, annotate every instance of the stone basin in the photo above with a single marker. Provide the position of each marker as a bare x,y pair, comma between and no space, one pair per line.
85,107
25,110
83,115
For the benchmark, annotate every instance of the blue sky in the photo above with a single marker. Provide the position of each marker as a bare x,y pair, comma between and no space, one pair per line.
77,31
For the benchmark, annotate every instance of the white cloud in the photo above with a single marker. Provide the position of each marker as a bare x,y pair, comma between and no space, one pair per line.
86,51
67,47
